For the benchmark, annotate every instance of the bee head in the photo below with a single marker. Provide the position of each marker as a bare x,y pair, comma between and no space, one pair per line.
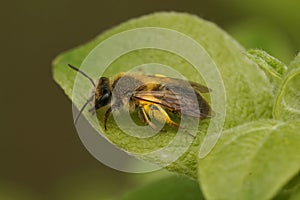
103,93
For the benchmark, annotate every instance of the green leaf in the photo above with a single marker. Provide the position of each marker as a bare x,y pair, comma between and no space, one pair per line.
173,188
287,102
290,191
273,68
248,90
296,193
252,161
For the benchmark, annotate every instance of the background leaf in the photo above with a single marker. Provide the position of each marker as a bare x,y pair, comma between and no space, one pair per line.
264,34
171,188
287,103
252,161
241,77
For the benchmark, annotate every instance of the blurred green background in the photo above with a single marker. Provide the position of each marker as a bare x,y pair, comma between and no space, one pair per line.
41,154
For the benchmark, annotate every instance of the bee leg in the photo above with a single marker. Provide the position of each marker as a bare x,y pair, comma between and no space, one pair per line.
108,111
157,112
144,117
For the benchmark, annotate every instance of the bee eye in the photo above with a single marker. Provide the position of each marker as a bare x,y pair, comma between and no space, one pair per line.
105,91
105,96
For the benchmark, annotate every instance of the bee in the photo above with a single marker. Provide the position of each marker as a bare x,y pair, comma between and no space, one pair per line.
153,96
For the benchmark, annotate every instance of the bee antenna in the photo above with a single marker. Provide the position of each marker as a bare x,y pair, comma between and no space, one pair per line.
81,72
82,108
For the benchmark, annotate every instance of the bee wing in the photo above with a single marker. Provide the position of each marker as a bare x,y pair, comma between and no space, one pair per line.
179,82
200,88
186,102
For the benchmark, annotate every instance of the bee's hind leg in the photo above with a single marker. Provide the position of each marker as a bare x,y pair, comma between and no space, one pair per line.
158,113
144,117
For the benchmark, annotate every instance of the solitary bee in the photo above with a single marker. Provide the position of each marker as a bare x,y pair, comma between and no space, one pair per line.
153,96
